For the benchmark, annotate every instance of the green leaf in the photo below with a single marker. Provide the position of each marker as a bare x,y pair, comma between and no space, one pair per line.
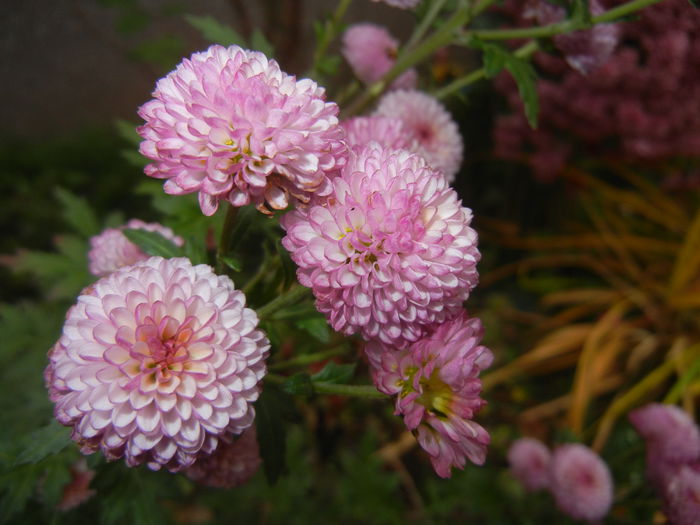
259,42
127,131
44,442
77,213
271,431
299,385
317,327
329,65
214,31
335,373
153,243
232,262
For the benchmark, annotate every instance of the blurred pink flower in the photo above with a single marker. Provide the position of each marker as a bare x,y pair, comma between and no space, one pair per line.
668,430
530,461
229,124
110,250
371,52
581,482
437,134
390,253
232,463
681,495
436,381
389,132
156,362
78,490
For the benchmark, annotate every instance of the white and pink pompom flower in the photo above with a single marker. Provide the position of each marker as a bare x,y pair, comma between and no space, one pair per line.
230,125
401,4
530,461
435,131
390,253
371,52
157,362
436,381
110,250
388,132
581,482
232,463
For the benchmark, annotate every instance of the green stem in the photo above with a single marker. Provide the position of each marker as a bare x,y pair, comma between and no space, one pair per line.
419,32
291,296
225,239
565,26
331,31
367,391
525,51
307,359
264,269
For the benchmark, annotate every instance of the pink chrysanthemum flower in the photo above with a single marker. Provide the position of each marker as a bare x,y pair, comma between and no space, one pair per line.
586,50
110,250
581,482
390,253
432,126
681,495
401,4
530,461
156,362
668,430
436,381
232,463
371,52
389,132
229,124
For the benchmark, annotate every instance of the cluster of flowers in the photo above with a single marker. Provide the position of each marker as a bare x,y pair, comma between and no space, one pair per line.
577,477
673,459
626,107
160,361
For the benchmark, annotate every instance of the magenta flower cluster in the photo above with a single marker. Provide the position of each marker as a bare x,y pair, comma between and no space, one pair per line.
577,477
626,108
673,458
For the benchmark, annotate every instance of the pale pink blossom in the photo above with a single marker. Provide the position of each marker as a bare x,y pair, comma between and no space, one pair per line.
436,133
668,430
110,250
230,125
681,495
581,482
401,4
371,52
389,132
157,362
390,252
530,461
232,463
437,388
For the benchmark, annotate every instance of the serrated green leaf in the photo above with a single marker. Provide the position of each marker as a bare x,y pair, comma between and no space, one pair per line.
44,442
215,31
19,486
153,243
259,42
335,373
299,385
317,327
77,213
271,431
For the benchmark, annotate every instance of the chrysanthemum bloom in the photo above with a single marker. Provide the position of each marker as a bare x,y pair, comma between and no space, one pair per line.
110,250
232,463
229,124
371,52
668,430
437,133
581,482
402,4
436,381
530,461
390,253
156,362
681,495
389,132
585,50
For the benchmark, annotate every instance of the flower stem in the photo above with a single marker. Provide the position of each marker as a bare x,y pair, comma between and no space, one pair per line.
307,359
291,296
525,51
419,32
225,239
330,32
368,391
